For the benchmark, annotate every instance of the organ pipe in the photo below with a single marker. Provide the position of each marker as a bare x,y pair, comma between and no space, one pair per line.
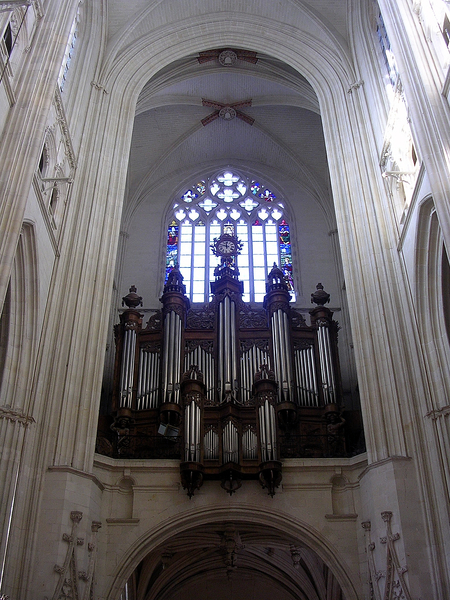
148,381
192,432
227,361
211,445
127,373
221,386
267,430
230,443
306,377
282,354
172,358
251,361
199,356
326,364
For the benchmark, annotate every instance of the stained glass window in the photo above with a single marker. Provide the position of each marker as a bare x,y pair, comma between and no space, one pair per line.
229,202
388,55
172,247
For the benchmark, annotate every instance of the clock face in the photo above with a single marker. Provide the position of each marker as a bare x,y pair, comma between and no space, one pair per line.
226,247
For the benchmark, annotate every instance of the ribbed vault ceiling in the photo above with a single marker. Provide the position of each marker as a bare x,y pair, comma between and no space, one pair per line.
170,142
226,562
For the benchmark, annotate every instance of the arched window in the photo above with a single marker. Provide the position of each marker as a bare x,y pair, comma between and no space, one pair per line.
70,49
398,161
388,55
229,202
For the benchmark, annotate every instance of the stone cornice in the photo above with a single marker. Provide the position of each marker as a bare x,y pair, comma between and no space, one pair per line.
78,473
384,461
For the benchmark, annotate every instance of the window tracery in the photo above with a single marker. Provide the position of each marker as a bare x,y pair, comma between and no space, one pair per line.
229,202
398,162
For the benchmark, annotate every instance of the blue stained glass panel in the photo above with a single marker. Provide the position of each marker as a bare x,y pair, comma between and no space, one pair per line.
172,247
189,195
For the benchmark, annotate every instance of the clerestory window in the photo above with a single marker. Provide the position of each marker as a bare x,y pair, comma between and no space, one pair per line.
70,49
229,202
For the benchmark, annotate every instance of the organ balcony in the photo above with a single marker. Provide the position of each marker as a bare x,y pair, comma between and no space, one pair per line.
227,389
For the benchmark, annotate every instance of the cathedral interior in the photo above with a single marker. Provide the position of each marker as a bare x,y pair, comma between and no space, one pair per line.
224,300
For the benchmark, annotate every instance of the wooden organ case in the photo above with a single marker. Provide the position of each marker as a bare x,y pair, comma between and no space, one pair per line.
227,389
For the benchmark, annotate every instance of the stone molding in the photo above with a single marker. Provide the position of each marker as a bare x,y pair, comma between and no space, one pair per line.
78,473
444,411
16,416
382,462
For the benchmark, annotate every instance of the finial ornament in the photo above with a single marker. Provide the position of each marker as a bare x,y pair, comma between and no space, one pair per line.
320,296
132,300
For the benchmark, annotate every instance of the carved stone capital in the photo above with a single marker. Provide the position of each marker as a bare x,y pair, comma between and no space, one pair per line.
76,516
386,516
95,526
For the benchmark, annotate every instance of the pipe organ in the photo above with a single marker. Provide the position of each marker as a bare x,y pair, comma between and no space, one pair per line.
229,389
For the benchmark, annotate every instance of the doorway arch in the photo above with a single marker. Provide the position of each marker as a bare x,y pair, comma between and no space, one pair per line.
231,549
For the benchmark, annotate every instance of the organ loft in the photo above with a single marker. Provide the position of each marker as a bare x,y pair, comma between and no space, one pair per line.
228,389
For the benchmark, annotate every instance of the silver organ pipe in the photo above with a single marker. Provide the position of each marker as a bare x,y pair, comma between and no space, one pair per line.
287,352
171,352
249,445
127,368
177,361
220,373
172,357
251,361
166,353
276,351
326,365
267,431
281,351
234,375
227,367
300,374
227,345
306,377
192,432
141,377
284,384
230,443
205,362
211,445
148,382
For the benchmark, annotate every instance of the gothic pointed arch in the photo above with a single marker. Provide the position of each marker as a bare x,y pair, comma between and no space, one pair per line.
432,270
19,322
224,549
